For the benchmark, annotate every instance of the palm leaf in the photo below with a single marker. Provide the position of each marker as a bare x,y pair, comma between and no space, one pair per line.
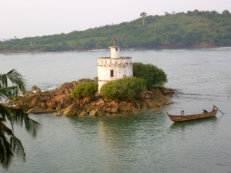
9,143
18,147
8,92
6,153
3,80
5,129
14,77
6,113
22,118
7,149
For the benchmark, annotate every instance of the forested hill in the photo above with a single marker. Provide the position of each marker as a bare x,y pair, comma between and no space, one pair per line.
181,30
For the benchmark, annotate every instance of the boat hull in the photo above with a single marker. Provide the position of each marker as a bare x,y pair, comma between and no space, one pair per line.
179,118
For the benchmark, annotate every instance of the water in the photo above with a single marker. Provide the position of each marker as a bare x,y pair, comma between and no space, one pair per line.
147,142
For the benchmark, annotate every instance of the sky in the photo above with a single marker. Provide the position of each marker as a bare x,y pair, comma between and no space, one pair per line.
25,18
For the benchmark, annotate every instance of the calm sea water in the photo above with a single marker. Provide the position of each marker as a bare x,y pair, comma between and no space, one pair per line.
147,142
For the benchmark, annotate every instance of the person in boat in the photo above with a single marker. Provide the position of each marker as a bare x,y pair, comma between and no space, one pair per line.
182,112
215,108
205,111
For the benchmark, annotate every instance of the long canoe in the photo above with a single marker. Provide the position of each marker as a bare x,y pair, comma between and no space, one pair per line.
179,118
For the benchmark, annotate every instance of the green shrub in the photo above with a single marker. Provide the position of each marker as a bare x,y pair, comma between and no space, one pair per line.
150,73
127,88
85,89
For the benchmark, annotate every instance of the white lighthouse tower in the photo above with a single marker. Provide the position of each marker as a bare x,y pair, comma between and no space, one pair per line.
114,67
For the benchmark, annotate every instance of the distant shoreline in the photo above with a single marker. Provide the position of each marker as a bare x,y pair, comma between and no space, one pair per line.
202,46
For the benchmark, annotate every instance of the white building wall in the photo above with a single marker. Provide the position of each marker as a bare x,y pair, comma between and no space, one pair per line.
115,52
121,67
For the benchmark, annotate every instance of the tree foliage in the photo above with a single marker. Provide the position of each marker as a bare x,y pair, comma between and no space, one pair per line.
10,145
151,74
143,15
127,88
178,30
85,89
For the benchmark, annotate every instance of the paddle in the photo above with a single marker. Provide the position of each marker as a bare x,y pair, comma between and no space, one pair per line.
220,111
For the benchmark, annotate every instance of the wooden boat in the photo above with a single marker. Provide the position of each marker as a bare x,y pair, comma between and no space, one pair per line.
179,118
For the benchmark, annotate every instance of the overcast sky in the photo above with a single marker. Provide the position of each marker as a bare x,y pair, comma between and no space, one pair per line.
22,18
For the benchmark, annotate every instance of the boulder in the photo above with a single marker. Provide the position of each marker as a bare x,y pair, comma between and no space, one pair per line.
83,113
99,102
59,107
35,89
100,113
92,112
51,105
71,110
114,108
169,102
42,105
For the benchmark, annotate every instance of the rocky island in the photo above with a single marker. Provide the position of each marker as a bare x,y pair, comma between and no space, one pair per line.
60,101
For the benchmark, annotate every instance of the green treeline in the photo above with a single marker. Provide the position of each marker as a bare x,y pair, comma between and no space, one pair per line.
180,30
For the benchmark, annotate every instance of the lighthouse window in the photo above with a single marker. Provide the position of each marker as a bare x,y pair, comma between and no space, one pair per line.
112,73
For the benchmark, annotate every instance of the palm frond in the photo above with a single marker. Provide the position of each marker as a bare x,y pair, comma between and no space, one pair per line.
9,92
18,147
9,143
7,149
5,129
15,78
22,118
6,153
5,113
3,80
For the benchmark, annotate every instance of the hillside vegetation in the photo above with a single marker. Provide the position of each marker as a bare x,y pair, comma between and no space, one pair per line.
181,30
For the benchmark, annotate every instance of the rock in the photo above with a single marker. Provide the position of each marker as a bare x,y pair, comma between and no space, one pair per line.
88,108
169,102
125,107
99,102
86,100
35,89
83,113
100,113
43,105
59,107
34,101
66,91
30,110
92,112
114,108
51,104
71,110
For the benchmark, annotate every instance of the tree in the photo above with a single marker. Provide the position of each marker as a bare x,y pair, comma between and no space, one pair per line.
225,13
10,145
85,89
127,88
152,75
143,15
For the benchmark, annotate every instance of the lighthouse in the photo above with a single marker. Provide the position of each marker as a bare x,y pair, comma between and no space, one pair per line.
113,67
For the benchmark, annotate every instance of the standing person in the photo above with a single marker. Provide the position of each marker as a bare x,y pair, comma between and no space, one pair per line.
182,112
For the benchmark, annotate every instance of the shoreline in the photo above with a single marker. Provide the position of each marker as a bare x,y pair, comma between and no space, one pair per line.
101,49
